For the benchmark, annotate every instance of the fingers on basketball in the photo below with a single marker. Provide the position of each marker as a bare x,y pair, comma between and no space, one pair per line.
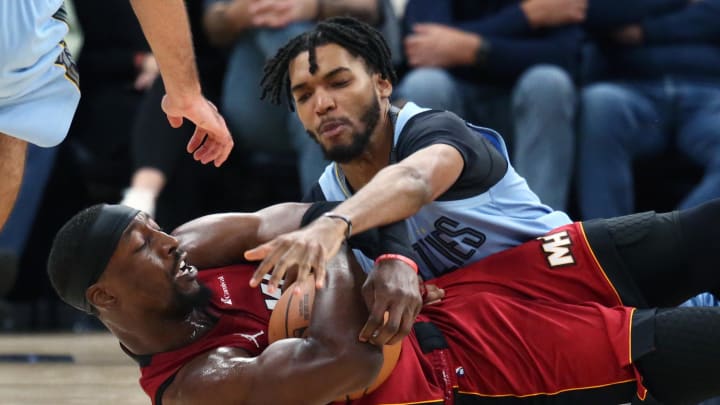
291,317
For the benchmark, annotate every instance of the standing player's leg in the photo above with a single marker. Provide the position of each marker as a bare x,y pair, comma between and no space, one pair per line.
12,166
665,258
38,87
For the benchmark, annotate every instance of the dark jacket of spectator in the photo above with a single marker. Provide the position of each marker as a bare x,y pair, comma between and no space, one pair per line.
514,44
678,38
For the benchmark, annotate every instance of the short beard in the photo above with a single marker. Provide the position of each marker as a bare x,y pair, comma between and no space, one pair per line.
187,303
360,141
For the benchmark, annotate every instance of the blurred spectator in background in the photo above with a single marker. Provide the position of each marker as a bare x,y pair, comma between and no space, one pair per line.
255,30
505,64
657,89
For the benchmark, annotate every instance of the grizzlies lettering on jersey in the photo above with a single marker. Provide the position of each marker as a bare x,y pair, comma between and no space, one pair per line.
38,79
451,233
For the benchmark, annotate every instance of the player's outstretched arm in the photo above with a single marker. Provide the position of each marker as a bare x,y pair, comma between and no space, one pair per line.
221,239
400,190
166,28
394,194
328,364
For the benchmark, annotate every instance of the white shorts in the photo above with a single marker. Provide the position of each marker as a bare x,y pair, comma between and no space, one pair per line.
38,80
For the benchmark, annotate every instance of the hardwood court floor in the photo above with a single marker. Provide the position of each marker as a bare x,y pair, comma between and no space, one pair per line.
100,374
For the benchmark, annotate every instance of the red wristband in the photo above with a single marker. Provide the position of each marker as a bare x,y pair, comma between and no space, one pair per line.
393,256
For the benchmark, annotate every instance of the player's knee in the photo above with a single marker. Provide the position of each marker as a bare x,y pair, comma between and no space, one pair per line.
545,84
430,88
629,229
704,218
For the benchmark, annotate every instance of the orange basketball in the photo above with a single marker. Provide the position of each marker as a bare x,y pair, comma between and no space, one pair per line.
291,317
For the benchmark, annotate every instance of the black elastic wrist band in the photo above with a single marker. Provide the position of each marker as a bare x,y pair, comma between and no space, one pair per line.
343,218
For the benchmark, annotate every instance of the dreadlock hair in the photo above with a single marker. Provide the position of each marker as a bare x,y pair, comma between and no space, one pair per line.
357,37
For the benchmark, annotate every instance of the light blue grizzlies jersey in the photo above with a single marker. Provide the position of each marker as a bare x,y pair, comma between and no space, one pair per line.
38,81
447,235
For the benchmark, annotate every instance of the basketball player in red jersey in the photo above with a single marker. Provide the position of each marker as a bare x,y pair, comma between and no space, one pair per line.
567,318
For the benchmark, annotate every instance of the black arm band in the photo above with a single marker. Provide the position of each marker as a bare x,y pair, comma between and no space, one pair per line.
391,238
343,218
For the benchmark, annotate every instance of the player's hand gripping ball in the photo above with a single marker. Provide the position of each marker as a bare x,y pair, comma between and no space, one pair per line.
291,318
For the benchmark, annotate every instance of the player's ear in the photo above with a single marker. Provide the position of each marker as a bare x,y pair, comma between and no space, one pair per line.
99,297
382,86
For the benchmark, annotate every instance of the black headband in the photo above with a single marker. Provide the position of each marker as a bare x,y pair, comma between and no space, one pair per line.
98,246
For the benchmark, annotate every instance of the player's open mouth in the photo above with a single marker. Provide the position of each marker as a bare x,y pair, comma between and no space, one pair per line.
332,128
185,270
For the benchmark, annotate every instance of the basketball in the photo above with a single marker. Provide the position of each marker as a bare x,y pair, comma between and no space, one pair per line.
291,315
291,318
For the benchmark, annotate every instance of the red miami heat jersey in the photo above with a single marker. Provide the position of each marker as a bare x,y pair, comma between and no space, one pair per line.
243,313
539,323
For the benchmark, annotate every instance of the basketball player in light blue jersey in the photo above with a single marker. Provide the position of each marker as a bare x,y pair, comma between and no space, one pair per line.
452,182
39,83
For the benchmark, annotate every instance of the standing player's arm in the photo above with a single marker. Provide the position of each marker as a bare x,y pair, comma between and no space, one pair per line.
220,239
166,27
328,364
